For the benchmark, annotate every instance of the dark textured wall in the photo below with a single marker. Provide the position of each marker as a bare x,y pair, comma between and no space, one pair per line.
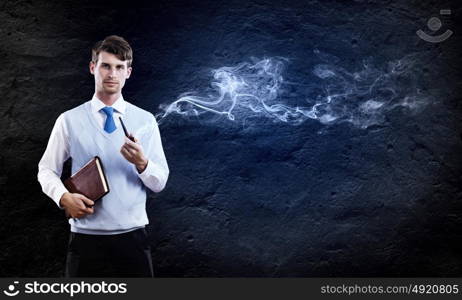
253,196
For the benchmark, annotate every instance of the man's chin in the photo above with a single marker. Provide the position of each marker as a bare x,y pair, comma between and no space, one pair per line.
111,91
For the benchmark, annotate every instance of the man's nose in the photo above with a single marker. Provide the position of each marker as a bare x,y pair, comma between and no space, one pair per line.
112,72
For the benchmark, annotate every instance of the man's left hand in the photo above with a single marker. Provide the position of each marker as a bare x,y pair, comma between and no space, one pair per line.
133,152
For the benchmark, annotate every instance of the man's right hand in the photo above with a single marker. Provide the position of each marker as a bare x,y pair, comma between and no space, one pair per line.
76,205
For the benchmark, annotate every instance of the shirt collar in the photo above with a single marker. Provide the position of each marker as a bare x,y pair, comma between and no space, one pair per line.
119,105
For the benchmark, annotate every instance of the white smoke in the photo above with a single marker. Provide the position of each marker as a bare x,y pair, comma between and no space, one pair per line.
361,97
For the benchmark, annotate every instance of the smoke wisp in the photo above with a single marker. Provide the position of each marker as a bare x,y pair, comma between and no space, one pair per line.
331,95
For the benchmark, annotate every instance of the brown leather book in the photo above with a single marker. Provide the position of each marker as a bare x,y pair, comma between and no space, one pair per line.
89,181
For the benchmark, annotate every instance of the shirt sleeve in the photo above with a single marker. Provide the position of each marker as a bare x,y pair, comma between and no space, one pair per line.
156,173
51,165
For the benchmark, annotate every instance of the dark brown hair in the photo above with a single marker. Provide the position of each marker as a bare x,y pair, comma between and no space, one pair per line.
116,45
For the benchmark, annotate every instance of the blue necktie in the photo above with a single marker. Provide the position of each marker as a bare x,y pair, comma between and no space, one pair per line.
109,126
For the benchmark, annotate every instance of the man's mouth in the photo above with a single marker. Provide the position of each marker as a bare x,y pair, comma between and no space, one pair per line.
111,82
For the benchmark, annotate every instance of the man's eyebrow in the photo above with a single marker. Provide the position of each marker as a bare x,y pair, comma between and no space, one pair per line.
118,65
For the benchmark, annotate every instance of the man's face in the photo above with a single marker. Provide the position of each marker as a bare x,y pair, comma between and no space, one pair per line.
110,73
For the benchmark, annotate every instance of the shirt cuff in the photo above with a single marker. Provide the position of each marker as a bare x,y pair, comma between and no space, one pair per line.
58,194
148,171
153,177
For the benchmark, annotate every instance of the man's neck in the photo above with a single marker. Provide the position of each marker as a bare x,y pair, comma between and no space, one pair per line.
108,99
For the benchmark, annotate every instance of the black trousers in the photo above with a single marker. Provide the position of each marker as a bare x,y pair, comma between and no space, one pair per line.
120,255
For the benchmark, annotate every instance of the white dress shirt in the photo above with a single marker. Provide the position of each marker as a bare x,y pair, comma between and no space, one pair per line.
58,148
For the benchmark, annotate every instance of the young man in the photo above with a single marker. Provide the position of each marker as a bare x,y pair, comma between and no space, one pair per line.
108,237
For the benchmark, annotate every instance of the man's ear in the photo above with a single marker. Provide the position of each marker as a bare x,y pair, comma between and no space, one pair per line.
129,72
92,67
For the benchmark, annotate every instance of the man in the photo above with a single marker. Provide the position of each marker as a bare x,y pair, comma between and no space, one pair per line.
108,237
